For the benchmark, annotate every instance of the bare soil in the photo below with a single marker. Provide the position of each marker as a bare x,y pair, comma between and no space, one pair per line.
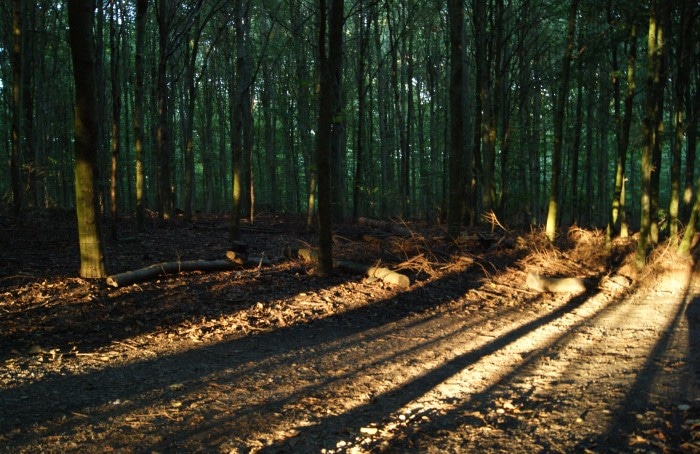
275,359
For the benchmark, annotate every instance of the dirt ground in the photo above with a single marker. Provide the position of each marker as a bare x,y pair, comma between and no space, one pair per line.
271,358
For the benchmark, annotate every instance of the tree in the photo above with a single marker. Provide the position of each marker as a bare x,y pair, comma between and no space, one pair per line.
141,10
115,61
330,77
559,110
457,144
652,128
17,107
240,112
623,122
80,17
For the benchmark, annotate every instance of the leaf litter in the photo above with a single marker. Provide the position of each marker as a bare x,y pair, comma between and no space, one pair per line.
274,359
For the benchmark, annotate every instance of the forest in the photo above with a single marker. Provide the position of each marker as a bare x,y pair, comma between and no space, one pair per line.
349,226
540,111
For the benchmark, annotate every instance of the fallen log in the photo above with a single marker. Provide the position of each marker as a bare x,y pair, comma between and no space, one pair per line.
166,268
554,284
372,272
232,261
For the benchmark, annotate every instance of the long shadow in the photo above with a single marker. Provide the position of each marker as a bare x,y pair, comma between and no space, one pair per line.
397,398
109,316
693,317
129,384
482,402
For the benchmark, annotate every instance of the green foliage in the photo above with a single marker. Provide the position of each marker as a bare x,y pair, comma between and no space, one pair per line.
406,54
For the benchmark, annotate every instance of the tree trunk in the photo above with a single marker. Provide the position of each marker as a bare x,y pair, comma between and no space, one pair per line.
618,215
17,107
115,61
652,129
139,101
682,82
165,208
559,122
80,16
330,55
457,144
362,31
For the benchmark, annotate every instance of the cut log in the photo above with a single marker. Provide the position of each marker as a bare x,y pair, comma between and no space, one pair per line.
232,261
383,274
554,285
374,272
162,269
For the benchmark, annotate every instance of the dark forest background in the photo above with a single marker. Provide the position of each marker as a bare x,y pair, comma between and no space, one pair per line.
540,111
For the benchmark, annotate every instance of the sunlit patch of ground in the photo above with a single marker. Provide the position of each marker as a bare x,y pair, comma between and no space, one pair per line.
275,360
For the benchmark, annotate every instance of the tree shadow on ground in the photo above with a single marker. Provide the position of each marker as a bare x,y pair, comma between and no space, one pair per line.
61,403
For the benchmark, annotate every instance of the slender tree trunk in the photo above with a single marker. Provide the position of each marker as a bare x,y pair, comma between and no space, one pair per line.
165,196
576,149
80,18
115,61
559,122
17,107
385,142
237,89
362,31
139,101
618,215
190,102
652,130
682,82
457,143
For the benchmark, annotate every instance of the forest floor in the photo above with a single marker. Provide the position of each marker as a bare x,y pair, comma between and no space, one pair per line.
272,358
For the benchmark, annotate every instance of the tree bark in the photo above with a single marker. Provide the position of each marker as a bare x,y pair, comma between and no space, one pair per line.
115,61
139,101
80,17
559,122
17,107
330,55
457,144
618,215
652,129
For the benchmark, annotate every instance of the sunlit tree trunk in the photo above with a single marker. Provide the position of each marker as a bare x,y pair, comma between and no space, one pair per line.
689,234
618,215
559,122
80,18
652,130
682,81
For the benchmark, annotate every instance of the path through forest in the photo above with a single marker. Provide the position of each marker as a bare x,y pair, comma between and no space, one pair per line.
276,360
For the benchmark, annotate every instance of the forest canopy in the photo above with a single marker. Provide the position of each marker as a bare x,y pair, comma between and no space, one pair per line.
212,106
